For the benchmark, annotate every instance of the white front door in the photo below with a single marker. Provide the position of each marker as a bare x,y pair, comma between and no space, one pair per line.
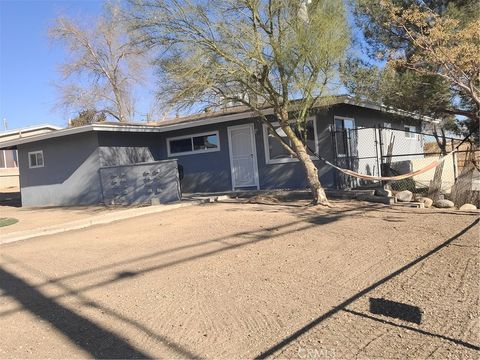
243,156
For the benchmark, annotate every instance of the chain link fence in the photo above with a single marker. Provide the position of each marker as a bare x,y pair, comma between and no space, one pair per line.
389,152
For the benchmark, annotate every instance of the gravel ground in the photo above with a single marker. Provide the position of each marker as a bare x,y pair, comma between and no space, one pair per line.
34,218
236,281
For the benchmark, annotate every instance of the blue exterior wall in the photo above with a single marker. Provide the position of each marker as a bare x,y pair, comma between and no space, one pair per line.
69,175
121,148
210,172
71,172
143,183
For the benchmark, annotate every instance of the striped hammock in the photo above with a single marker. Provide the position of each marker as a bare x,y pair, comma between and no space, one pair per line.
431,166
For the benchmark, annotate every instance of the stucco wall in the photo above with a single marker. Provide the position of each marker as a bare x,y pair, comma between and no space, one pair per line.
70,173
210,172
142,183
116,148
367,151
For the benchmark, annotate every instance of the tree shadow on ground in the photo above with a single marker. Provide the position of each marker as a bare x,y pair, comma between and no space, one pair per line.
411,328
247,238
100,342
342,306
46,305
97,341
31,298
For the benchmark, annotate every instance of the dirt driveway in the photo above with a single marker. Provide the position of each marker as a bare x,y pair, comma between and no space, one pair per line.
34,218
242,281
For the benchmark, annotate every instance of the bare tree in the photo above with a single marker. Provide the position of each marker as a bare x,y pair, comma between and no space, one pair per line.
103,67
277,54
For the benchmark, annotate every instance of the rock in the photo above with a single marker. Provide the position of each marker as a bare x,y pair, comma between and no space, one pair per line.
383,192
404,196
444,204
468,207
427,202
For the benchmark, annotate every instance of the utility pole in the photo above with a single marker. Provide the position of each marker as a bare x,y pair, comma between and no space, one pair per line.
4,124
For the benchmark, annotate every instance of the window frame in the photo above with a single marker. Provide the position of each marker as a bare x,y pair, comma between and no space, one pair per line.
290,159
203,151
354,122
335,117
30,166
411,135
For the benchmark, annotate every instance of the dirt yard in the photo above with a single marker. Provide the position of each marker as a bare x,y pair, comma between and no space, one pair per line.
30,218
243,281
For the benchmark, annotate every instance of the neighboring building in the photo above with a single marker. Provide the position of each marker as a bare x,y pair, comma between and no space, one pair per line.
216,152
9,158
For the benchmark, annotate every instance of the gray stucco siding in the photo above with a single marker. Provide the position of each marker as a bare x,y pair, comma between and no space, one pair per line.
209,171
202,172
69,175
116,148
370,118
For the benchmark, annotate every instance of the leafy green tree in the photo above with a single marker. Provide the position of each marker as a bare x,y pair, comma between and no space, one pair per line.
278,54
431,51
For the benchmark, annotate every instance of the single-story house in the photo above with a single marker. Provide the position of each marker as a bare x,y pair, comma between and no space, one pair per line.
9,158
215,152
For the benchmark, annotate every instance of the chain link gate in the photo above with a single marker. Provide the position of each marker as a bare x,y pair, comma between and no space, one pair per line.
381,151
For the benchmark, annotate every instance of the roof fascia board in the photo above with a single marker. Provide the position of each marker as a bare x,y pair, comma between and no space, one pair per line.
132,128
45,136
194,123
215,120
29,129
389,109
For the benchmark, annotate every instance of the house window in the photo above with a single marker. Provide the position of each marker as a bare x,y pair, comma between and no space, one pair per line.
35,159
193,144
8,159
343,140
410,132
275,153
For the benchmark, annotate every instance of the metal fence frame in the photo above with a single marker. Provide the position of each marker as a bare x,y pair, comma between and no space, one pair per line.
349,138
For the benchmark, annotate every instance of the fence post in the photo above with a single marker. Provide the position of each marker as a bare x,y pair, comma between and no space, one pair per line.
381,153
376,150
454,159
335,157
348,152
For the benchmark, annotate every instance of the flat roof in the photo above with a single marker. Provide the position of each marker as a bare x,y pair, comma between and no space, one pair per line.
207,118
28,129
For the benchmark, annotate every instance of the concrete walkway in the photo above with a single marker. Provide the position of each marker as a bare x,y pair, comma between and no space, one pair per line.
104,218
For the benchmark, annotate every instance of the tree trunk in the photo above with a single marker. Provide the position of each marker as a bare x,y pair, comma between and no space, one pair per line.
311,171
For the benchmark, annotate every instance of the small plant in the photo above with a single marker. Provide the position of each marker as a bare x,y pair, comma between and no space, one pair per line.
7,221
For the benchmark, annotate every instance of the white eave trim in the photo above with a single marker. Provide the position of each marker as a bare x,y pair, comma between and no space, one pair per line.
29,129
389,109
193,123
48,135
132,128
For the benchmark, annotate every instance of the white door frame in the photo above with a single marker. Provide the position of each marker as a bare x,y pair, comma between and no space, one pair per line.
254,149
